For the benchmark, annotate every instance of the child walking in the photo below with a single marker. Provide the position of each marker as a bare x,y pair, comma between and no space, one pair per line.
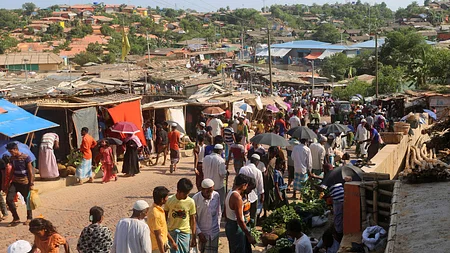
107,160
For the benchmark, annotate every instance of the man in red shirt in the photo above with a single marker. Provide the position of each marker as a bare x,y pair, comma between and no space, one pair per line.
174,146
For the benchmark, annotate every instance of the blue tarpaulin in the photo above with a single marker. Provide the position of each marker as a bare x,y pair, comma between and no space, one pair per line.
15,121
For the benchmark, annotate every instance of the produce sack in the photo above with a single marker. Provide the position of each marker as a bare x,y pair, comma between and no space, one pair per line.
372,236
35,200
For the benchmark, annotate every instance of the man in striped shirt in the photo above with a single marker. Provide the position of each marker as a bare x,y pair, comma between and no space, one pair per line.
228,137
336,191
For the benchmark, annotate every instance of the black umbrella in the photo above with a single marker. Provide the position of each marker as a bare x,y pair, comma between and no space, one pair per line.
112,141
338,174
302,132
179,128
270,139
334,128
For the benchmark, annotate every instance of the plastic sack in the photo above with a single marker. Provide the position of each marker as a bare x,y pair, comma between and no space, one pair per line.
97,169
372,236
35,200
318,221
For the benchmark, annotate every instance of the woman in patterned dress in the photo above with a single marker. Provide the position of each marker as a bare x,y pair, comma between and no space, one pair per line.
95,238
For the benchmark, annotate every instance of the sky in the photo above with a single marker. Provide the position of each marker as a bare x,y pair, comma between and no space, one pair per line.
199,5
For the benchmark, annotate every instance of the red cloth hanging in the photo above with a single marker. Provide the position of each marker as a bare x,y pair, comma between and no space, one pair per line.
129,112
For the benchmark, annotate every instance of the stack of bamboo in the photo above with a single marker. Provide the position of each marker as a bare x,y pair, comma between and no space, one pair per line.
423,165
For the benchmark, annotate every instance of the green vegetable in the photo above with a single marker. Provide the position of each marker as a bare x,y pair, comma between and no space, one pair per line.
256,234
190,145
281,215
283,243
74,158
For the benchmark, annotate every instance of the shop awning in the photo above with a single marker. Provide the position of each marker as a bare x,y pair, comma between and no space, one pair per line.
322,55
15,121
274,52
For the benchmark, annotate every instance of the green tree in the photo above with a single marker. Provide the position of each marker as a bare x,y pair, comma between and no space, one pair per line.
354,87
55,30
85,57
426,2
336,65
7,42
106,30
327,33
109,58
9,20
390,79
95,48
28,8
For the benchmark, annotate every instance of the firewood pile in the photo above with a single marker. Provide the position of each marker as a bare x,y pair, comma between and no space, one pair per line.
425,165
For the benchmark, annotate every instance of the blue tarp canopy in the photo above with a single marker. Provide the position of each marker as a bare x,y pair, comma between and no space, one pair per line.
15,121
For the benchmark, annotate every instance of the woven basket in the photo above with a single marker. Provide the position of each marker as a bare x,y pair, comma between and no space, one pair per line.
401,127
391,137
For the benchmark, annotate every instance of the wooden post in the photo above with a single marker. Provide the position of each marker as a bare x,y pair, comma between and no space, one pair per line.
362,191
375,202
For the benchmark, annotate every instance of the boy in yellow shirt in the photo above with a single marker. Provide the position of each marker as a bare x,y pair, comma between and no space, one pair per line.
180,214
157,222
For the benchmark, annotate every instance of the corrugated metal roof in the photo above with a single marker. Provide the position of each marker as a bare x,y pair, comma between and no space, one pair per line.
310,44
29,58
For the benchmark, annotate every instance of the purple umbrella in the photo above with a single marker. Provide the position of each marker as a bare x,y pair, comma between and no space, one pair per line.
272,108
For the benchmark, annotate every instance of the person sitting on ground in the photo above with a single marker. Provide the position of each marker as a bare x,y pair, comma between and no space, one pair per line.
46,238
301,241
95,237
327,244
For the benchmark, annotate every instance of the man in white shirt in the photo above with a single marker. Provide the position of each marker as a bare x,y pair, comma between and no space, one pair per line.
207,203
256,194
361,135
301,155
133,234
332,113
214,168
302,242
318,155
216,125
294,121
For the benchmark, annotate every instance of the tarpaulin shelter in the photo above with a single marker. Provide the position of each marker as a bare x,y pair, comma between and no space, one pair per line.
15,121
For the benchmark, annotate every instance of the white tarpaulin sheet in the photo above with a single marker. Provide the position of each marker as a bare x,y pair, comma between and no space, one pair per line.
177,115
259,103
236,106
274,52
328,53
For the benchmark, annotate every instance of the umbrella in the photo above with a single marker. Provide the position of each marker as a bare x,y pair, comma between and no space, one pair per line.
302,132
431,114
334,128
246,108
213,111
112,141
22,148
179,128
338,174
272,108
270,139
125,128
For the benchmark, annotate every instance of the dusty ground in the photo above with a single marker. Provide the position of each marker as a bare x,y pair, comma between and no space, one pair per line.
68,208
422,224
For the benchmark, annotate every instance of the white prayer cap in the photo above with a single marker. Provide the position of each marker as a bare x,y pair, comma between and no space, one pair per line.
324,123
174,124
332,136
323,139
363,121
140,205
19,246
256,156
202,124
207,183
218,146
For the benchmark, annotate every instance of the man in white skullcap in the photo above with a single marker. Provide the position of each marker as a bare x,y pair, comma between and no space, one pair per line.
318,155
214,168
256,194
208,216
174,146
133,234
19,246
361,135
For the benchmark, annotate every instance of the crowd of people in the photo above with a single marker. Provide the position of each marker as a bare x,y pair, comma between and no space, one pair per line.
179,222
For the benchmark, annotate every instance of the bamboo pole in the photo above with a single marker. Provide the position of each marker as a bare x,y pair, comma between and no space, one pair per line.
375,202
362,191
380,204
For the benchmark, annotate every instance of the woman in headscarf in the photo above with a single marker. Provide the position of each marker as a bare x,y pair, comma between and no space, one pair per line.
130,159
95,237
